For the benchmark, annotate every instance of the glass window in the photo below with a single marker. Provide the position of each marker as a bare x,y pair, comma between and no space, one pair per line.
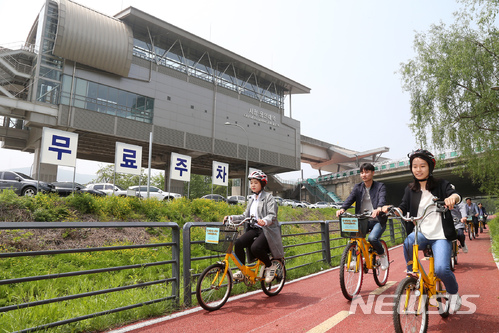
98,187
9,176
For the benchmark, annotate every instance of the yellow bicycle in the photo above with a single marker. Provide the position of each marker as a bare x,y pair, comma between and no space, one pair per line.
413,294
215,283
470,227
359,255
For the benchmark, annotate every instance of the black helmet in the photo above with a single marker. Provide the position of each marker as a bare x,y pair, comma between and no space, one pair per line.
425,155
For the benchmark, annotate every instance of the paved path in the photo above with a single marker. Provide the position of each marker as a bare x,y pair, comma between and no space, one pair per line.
315,304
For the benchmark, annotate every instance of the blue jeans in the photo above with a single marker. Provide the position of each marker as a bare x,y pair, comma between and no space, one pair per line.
375,235
442,250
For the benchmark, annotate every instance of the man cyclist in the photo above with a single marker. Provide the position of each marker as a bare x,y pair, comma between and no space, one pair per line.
370,196
472,210
483,213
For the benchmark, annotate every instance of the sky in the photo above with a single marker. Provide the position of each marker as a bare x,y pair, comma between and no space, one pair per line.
347,52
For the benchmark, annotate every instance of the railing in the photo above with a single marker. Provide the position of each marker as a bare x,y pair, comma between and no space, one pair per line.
174,280
325,233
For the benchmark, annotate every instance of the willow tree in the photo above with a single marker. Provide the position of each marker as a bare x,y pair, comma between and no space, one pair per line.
452,81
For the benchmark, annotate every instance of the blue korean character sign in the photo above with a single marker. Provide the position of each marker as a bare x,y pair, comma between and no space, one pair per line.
58,147
220,175
128,158
180,167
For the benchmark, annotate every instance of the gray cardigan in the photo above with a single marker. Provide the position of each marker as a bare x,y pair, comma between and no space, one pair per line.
267,211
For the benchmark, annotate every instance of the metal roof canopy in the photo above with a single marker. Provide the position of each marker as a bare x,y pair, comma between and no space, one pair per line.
326,157
140,20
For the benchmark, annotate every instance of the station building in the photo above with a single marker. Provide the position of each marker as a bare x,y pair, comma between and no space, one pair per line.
117,79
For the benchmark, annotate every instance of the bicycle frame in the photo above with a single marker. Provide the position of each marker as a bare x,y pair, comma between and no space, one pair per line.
364,247
250,271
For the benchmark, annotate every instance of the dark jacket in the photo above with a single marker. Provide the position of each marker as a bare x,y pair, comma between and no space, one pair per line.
410,203
377,193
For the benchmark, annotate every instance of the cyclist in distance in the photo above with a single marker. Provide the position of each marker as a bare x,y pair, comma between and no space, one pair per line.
370,196
472,210
459,224
264,237
437,229
482,212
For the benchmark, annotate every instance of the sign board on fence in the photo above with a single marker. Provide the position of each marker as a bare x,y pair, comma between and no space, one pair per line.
220,174
58,147
180,168
212,235
128,158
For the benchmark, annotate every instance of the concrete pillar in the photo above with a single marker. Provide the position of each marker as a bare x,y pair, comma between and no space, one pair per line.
47,172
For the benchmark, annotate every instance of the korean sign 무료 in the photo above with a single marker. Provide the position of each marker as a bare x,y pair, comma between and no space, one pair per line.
180,168
128,158
58,147
220,174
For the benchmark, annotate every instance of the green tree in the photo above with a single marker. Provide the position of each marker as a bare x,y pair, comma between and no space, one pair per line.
450,81
106,175
201,185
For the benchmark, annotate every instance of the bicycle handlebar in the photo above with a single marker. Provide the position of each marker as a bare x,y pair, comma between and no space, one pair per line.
440,209
252,221
360,215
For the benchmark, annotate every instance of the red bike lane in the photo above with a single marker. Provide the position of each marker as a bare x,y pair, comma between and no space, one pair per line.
316,304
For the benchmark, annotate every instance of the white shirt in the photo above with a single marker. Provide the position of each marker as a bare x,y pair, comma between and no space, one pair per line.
431,225
254,207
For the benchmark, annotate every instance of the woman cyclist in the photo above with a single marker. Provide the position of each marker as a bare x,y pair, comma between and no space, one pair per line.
263,237
437,229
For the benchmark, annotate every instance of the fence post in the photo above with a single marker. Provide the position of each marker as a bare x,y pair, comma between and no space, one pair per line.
176,265
186,247
326,246
392,231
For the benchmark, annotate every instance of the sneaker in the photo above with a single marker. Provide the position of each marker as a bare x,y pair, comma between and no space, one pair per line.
384,262
239,276
465,249
270,273
455,303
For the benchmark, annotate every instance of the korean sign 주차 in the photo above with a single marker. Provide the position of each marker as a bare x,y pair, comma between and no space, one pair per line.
180,168
58,147
220,174
128,158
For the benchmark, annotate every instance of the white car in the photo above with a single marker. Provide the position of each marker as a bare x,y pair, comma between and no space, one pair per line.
108,188
154,192
238,198
321,204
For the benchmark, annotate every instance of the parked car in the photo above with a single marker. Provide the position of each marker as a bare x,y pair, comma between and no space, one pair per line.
288,202
321,204
306,204
219,198
279,200
22,184
238,198
154,192
108,188
66,188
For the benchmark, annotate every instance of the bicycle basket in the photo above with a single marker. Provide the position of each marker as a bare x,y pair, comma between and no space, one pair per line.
353,227
226,239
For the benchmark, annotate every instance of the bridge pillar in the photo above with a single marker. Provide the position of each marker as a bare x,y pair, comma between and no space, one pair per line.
42,171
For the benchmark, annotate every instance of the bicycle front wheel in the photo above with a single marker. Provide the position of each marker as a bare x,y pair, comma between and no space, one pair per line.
213,288
351,271
381,276
410,313
470,233
275,286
